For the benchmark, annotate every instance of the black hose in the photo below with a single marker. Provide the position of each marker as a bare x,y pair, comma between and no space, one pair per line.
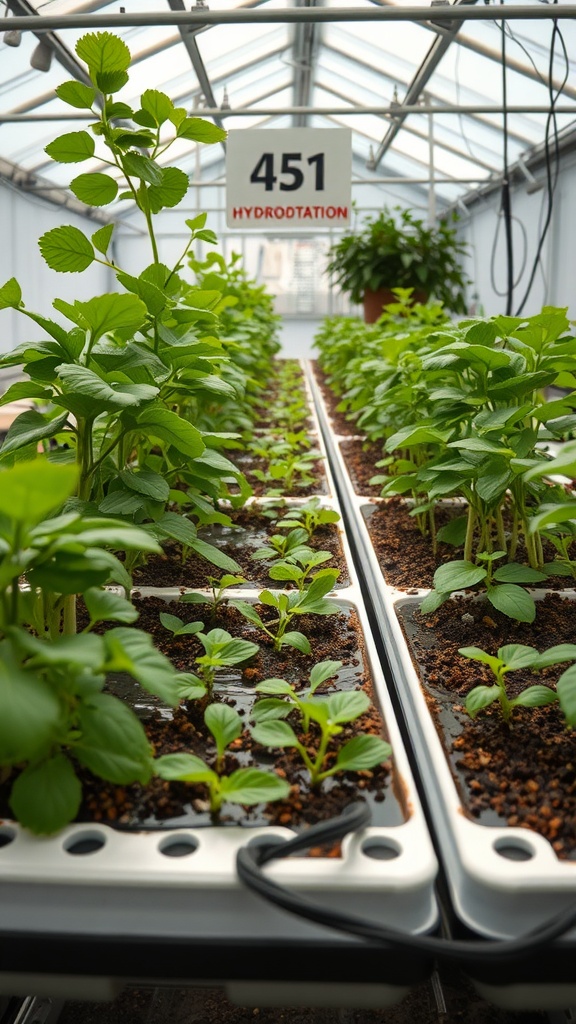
251,858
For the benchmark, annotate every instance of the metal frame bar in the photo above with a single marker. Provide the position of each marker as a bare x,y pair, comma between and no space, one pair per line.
305,48
418,84
524,139
191,47
382,111
443,12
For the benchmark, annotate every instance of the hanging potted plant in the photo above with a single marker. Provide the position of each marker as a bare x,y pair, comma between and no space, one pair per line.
397,250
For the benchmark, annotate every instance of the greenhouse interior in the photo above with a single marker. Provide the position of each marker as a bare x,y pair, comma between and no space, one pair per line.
288,515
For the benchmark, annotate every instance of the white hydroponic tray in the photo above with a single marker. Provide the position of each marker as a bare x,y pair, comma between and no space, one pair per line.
182,884
492,894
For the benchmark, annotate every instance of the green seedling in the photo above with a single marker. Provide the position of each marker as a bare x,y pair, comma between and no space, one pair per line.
285,546
246,786
329,715
513,657
288,605
217,587
500,585
221,650
310,517
302,567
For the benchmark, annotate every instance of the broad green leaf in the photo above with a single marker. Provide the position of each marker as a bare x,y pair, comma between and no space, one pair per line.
517,656
197,129
556,655
76,94
111,81
251,786
271,709
105,605
552,514
276,686
480,697
103,51
183,768
113,744
30,428
24,389
513,572
30,490
101,238
248,611
158,104
176,526
453,532
477,654
224,723
47,795
31,712
535,697
480,444
457,575
139,166
162,423
295,639
143,481
66,249
121,503
346,706
152,296
71,148
432,601
79,380
71,572
10,294
214,555
566,689
362,753
75,651
132,650
285,571
190,687
275,733
512,601
95,189
106,313
179,628
235,651
170,191
323,671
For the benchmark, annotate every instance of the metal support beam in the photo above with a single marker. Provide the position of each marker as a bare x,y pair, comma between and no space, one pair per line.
467,43
306,37
293,15
191,46
423,75
415,108
23,9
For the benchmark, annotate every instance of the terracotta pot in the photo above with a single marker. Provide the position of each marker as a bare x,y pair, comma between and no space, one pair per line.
374,302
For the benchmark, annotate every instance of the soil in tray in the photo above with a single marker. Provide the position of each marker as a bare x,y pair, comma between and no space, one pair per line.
405,554
250,530
523,775
338,420
246,462
337,636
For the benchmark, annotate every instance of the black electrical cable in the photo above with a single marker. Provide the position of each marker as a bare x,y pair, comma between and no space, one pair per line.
551,178
249,863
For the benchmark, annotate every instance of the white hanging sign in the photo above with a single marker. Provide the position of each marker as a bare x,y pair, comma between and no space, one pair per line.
288,177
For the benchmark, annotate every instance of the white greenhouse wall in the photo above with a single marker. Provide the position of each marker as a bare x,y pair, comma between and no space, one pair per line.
23,219
553,283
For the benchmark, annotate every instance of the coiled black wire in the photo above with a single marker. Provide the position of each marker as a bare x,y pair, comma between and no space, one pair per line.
251,858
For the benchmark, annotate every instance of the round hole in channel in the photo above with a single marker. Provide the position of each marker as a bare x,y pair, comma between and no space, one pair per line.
514,848
82,843
381,849
178,845
7,835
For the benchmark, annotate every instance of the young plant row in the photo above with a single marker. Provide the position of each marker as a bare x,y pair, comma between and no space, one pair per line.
461,412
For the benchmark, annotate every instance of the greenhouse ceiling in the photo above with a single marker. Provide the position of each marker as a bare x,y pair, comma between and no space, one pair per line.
426,96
